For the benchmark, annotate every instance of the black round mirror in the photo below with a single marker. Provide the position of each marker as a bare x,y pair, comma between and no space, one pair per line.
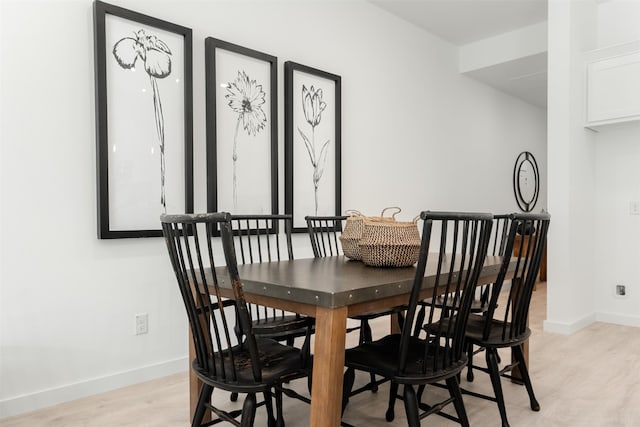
526,181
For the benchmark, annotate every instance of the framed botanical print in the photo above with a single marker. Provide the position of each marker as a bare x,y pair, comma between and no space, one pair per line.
242,132
144,121
312,143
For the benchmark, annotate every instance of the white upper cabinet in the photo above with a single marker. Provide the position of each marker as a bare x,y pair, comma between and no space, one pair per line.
613,85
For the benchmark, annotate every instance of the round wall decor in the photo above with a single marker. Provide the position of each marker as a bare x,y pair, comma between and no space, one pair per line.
526,181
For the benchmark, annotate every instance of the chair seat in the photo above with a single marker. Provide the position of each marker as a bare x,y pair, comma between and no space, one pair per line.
381,357
279,363
477,306
475,327
282,327
376,314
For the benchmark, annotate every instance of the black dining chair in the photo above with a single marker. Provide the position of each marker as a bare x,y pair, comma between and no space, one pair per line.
497,247
266,238
432,353
324,234
508,328
214,301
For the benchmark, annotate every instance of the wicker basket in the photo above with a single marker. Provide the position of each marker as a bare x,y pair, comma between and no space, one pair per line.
390,243
353,228
351,235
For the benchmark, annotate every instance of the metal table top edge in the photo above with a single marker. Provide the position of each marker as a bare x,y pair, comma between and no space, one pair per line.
351,282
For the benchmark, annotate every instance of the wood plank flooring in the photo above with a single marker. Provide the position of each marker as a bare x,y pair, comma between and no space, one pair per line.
591,378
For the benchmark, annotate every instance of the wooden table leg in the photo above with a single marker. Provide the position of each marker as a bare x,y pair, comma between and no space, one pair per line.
328,367
395,325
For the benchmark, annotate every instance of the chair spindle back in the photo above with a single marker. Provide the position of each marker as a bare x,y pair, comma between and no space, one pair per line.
457,256
499,234
324,233
189,240
525,247
262,238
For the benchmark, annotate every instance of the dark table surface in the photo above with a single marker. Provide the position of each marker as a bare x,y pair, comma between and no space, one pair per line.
334,281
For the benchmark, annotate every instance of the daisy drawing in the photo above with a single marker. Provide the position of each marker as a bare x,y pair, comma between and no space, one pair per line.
245,97
156,57
313,106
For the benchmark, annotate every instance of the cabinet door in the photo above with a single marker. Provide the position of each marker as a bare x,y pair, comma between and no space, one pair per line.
613,89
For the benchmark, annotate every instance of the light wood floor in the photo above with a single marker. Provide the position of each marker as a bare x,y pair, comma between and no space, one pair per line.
591,378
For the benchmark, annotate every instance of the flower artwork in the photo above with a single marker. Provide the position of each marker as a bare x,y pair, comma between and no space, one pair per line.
156,56
313,106
245,97
312,143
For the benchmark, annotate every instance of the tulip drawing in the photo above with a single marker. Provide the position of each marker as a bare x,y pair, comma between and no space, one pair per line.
245,97
156,56
313,106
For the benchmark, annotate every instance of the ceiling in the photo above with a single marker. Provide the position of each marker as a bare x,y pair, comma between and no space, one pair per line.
464,21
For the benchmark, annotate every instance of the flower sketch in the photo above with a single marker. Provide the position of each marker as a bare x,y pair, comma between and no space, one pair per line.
157,63
245,98
313,106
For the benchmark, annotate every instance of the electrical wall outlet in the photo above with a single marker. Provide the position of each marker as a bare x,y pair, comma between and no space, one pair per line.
142,323
621,291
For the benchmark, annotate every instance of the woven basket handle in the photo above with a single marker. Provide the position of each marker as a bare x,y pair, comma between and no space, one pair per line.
353,212
393,216
416,218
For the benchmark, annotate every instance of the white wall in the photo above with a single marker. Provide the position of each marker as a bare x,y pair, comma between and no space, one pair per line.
618,183
571,162
523,42
415,134
618,22
618,232
593,241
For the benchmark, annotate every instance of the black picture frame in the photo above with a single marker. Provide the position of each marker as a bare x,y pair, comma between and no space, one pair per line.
303,157
134,128
242,147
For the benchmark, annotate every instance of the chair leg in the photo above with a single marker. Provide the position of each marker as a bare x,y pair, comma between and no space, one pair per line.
524,372
374,386
205,396
248,411
268,403
469,362
458,403
411,406
367,336
365,332
393,393
347,385
233,397
494,373
421,388
280,419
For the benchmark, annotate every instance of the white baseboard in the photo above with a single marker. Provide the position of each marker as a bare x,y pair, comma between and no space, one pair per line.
618,319
42,399
568,328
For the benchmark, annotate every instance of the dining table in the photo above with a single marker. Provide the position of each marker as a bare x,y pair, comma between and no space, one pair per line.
330,289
